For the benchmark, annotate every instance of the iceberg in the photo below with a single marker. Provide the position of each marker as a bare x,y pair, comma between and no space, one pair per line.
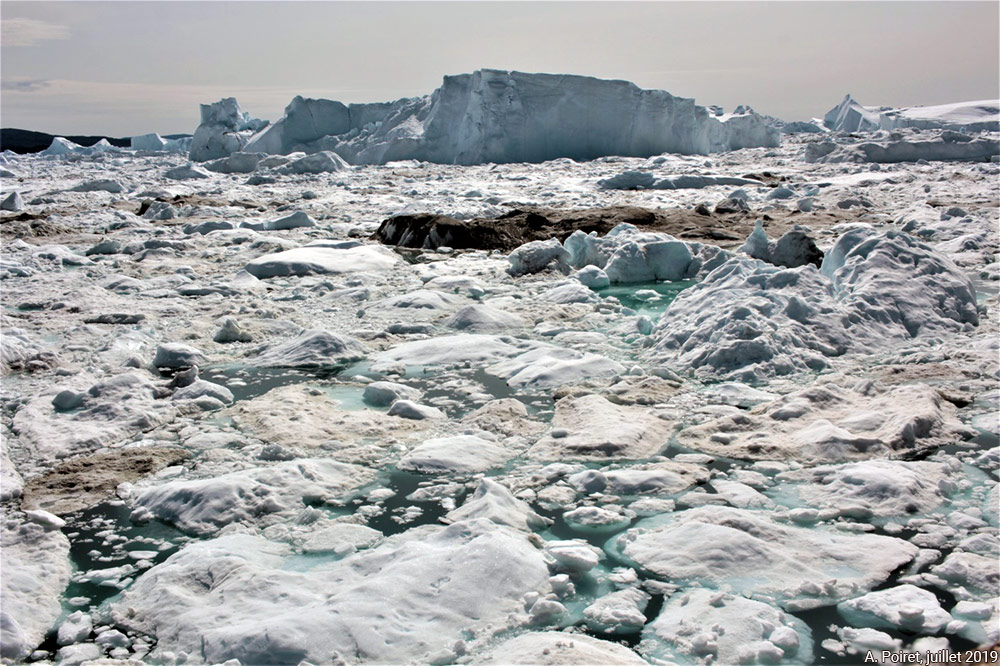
493,116
148,142
225,128
850,116
748,319
61,146
975,116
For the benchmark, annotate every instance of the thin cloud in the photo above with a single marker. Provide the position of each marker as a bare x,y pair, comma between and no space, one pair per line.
25,85
28,32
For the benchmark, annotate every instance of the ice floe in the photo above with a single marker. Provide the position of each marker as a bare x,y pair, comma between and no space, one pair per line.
746,552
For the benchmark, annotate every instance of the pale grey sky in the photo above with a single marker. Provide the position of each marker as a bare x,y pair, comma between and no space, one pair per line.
125,68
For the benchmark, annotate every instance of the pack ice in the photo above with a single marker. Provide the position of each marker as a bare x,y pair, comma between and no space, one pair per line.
535,369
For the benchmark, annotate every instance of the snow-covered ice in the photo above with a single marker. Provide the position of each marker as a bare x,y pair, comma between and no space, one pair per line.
425,382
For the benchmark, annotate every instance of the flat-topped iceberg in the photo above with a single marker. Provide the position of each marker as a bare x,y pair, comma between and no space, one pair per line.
494,116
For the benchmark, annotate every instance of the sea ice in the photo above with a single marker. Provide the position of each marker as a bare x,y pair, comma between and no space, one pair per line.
461,454
536,256
482,318
626,254
549,366
414,411
592,428
749,553
202,506
666,478
177,355
341,538
447,350
698,624
12,202
321,162
554,647
383,394
186,172
311,259
232,597
493,502
884,487
747,319
619,612
235,163
102,185
113,411
310,349
827,423
303,419
631,180
793,249
903,607
37,569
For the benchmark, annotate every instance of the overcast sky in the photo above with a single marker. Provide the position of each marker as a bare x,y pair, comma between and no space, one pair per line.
125,68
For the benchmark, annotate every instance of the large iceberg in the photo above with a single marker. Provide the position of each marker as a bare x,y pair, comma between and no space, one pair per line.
977,116
498,116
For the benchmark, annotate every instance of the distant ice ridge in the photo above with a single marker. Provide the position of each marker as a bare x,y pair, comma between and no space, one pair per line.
851,116
153,142
907,146
490,116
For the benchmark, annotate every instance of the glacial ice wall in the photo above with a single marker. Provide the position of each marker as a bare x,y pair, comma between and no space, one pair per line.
500,116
